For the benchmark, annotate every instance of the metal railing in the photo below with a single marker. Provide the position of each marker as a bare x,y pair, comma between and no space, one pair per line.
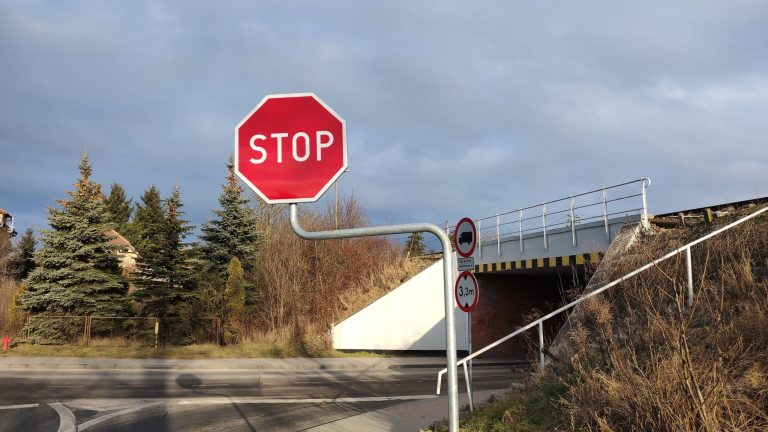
540,322
599,204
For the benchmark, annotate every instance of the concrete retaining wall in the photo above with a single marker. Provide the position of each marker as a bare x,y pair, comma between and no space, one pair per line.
411,317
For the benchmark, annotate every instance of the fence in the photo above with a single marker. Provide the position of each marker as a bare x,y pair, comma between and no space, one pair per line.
621,199
92,330
117,331
686,249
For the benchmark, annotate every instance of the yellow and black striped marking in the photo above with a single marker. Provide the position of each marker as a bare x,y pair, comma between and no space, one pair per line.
540,263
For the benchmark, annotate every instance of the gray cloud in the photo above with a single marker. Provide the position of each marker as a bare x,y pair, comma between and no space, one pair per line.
535,101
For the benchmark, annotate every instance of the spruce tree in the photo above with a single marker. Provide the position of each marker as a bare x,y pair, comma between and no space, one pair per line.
76,270
232,233
148,215
119,208
163,276
24,261
234,302
414,246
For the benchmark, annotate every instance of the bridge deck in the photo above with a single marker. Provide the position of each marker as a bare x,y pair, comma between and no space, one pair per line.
562,247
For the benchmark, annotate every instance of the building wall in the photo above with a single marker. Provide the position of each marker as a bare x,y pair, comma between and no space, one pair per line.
411,317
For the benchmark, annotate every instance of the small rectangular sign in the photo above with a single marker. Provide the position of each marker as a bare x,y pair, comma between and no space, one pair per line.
466,263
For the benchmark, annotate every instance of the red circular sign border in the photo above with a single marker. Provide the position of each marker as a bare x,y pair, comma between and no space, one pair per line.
474,237
456,291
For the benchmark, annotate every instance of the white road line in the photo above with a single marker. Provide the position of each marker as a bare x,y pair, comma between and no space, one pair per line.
9,407
99,409
97,420
66,418
220,400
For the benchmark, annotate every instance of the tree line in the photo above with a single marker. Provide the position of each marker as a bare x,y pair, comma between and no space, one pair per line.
246,274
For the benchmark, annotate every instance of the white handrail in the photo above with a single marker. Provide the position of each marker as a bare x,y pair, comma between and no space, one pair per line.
570,305
550,216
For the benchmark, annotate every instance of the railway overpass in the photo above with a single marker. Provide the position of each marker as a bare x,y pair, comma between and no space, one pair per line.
525,261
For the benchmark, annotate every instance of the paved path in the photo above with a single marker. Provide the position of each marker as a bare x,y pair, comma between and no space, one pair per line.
410,416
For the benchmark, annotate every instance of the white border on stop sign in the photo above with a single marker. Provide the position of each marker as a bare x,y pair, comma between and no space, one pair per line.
327,185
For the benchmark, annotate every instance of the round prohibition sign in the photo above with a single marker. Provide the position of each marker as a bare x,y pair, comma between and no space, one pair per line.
466,291
465,237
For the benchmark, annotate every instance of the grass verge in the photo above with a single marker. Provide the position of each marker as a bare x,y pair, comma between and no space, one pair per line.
197,351
535,408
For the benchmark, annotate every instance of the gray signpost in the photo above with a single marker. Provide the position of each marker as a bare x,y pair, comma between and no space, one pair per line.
290,149
450,321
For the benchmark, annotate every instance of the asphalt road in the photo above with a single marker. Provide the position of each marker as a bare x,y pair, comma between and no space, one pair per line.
209,400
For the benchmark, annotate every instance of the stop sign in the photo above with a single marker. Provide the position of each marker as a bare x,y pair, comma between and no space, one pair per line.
290,148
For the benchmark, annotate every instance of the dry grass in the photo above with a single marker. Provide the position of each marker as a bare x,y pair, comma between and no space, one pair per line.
309,285
637,358
531,409
645,361
269,347
10,320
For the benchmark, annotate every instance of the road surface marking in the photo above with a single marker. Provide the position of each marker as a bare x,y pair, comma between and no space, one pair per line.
99,409
97,420
8,407
66,418
220,400
211,385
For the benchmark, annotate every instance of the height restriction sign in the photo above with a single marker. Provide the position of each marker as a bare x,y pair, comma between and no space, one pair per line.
466,291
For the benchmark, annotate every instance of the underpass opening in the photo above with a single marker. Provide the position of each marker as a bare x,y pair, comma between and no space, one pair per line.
511,299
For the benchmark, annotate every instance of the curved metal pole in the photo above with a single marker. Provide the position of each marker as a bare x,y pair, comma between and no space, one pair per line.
450,320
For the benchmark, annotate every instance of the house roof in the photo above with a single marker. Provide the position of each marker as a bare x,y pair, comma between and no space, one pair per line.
118,240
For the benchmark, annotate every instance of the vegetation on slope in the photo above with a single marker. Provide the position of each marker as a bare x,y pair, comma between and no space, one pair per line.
294,289
638,358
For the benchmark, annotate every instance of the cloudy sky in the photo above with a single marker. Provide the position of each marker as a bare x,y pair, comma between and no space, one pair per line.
453,108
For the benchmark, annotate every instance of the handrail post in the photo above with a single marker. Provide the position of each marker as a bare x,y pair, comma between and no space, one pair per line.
645,183
605,215
469,391
689,269
573,223
480,237
541,346
498,236
544,223
520,232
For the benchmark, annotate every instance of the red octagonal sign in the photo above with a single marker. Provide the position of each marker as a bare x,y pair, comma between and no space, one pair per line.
290,148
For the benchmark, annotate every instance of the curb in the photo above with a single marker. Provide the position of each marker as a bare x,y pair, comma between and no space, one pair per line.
285,364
